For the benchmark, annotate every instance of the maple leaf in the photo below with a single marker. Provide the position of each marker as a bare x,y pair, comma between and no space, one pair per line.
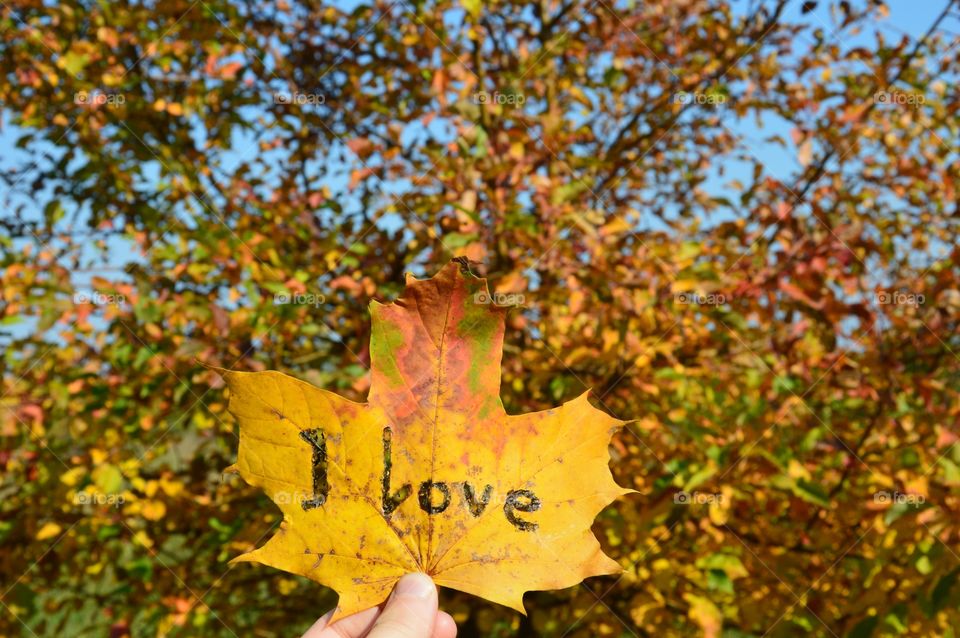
431,474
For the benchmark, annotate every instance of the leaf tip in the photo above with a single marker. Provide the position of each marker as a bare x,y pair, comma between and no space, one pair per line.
221,371
518,606
242,558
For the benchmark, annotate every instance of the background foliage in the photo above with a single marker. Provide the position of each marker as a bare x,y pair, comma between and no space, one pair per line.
785,332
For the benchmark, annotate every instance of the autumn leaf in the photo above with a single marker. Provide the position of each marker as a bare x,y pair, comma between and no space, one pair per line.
431,474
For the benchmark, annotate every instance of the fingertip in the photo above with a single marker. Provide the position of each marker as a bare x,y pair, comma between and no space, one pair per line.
411,610
445,626
416,585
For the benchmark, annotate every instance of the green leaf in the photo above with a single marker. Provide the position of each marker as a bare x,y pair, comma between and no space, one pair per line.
108,478
812,493
728,563
865,628
941,592
73,62
718,580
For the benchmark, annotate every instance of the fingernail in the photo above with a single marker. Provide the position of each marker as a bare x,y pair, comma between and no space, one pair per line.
415,586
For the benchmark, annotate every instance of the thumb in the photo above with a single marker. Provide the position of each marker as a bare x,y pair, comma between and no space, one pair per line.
411,610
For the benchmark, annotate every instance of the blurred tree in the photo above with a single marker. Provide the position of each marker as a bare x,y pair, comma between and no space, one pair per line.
234,182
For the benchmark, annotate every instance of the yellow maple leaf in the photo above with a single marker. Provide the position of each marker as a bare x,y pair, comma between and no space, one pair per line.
430,474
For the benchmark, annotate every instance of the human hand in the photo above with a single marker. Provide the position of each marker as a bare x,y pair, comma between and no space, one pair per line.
410,612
